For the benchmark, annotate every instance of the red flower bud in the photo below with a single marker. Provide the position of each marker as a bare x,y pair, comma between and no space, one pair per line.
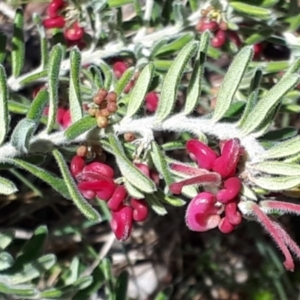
226,164
143,168
151,101
233,216
88,194
54,6
58,22
204,155
257,48
75,33
119,68
76,165
207,25
121,222
233,36
99,168
66,119
232,188
104,189
219,39
225,226
116,201
140,211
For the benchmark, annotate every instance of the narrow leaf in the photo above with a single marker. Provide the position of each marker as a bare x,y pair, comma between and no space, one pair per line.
277,168
252,10
3,40
6,237
171,81
133,191
7,187
139,91
74,88
22,134
268,102
194,88
160,163
284,149
33,248
231,82
124,80
56,57
276,183
155,204
6,261
37,107
56,183
4,116
121,286
128,170
23,291
81,126
107,75
76,196
18,44
97,77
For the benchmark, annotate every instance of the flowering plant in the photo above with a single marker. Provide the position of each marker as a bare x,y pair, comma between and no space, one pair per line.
114,100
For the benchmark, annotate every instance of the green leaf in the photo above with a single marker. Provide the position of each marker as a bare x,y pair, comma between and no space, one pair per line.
43,41
248,193
122,82
6,237
74,88
276,183
252,10
171,81
34,269
55,60
133,191
4,116
37,107
3,40
265,106
194,88
128,170
51,294
7,187
33,248
121,286
170,200
276,168
73,271
259,36
56,183
24,291
139,91
81,126
280,134
155,204
22,134
175,45
76,196
107,75
231,82
118,3
83,282
97,77
294,68
18,44
17,108
6,261
160,163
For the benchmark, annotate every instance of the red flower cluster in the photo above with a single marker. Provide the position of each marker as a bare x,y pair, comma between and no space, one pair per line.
96,179
73,34
215,172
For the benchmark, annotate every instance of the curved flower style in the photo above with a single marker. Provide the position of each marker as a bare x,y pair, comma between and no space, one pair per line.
225,207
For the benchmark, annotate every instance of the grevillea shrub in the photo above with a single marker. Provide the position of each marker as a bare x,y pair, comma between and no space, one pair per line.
127,121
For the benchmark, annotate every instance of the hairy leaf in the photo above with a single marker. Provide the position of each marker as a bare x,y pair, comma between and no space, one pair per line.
7,187
171,81
276,183
124,80
81,126
18,45
139,91
251,10
277,168
74,88
4,116
231,82
155,204
194,88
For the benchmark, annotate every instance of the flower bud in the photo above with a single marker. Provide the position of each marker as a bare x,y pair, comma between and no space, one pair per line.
103,189
119,68
143,168
116,201
226,164
204,155
77,164
75,33
219,39
58,22
88,194
233,216
225,226
151,101
232,188
140,211
100,168
121,222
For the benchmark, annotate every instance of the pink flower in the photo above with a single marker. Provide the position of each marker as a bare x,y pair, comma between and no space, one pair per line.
201,214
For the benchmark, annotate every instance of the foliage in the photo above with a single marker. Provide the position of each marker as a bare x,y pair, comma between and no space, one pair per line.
138,91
